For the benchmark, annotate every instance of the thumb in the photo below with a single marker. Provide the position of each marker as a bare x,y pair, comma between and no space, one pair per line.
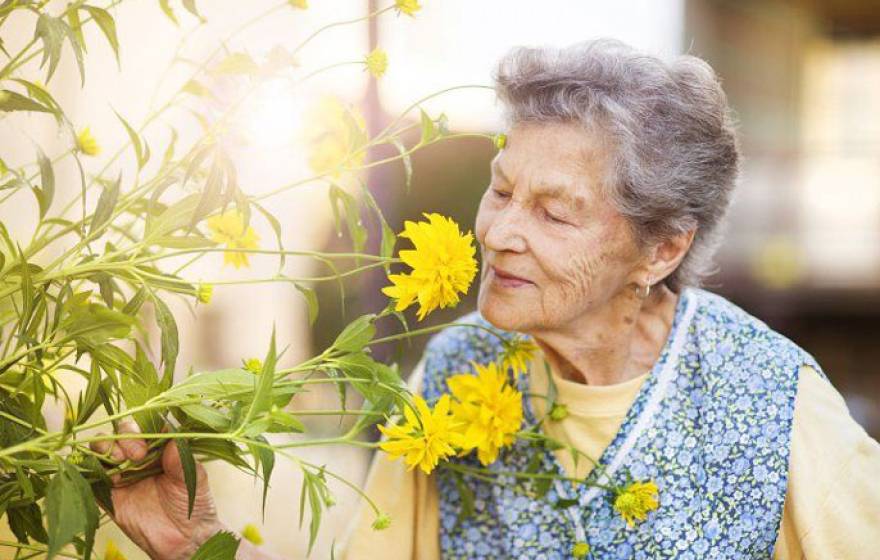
172,465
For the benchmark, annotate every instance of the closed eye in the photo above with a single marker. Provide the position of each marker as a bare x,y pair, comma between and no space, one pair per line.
554,219
501,194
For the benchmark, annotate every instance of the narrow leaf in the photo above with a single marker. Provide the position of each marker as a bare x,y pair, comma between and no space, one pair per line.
189,473
107,24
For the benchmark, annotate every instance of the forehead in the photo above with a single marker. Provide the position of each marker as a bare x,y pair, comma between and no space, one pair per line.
552,159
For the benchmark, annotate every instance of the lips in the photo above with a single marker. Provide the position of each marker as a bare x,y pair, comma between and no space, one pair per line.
509,279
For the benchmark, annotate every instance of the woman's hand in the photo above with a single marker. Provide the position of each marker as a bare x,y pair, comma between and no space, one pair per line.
153,511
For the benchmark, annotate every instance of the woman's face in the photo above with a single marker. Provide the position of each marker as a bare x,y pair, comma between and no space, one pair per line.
553,247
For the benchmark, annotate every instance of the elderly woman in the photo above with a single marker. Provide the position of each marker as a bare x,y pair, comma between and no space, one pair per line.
600,220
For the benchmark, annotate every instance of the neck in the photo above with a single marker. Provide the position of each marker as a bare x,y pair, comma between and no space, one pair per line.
617,342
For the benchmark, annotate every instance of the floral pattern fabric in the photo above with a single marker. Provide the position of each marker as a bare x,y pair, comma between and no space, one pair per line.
711,425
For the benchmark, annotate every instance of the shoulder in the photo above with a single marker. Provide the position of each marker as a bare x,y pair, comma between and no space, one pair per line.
724,327
468,339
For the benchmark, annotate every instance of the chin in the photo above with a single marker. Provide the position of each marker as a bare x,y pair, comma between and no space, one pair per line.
504,315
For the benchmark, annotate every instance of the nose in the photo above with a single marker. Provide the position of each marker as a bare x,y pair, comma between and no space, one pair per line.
505,232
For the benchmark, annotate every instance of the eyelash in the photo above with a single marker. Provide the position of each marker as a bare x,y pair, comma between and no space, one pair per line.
505,195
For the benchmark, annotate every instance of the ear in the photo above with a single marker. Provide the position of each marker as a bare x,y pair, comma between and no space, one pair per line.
664,257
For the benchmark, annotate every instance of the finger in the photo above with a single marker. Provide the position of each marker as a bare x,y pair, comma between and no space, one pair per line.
102,447
134,449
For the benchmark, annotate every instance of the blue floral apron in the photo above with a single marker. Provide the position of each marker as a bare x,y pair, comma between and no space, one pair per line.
711,426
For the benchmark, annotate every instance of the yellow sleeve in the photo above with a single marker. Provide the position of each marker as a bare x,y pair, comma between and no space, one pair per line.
832,507
409,497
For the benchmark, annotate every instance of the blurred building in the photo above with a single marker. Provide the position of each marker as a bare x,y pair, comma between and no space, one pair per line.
803,245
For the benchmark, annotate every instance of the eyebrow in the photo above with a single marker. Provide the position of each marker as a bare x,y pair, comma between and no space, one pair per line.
544,190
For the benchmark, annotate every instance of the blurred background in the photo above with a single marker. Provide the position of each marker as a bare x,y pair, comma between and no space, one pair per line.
803,245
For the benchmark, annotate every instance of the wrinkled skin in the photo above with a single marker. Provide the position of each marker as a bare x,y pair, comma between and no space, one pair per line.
546,218
153,510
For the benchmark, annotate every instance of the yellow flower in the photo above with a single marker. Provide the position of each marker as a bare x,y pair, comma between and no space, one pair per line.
252,533
301,4
408,7
580,549
442,263
113,553
253,365
636,500
333,134
205,292
86,143
426,437
518,352
377,62
488,409
228,228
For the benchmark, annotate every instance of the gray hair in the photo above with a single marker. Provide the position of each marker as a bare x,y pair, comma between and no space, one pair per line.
676,154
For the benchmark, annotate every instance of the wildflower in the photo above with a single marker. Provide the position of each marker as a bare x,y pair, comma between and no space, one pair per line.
86,143
228,228
442,263
426,437
488,408
253,365
252,533
334,135
580,549
518,352
500,141
408,7
636,500
205,292
377,62
559,412
301,4
382,522
112,552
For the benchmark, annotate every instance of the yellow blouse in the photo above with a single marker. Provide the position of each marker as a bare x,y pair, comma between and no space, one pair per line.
832,507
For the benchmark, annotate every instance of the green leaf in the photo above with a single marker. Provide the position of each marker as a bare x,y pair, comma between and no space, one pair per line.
51,31
466,496
107,25
184,242
106,205
166,7
311,301
276,228
141,154
189,473
75,25
169,150
263,392
222,546
356,229
389,238
70,510
190,6
169,336
12,101
356,335
428,130
93,325
27,521
172,218
266,458
407,163
210,194
41,95
236,63
220,449
47,182
140,386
